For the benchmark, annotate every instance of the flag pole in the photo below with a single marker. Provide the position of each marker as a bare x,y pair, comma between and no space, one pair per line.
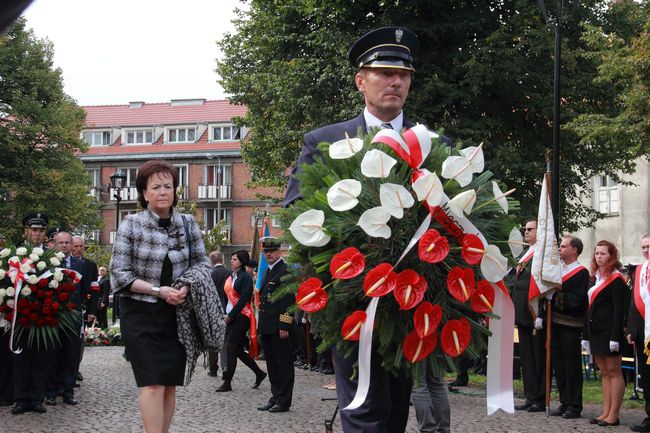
549,181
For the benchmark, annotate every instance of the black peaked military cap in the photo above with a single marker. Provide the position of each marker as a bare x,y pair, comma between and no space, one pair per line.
270,243
52,232
385,47
36,220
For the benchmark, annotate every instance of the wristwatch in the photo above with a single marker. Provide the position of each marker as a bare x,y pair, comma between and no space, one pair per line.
155,290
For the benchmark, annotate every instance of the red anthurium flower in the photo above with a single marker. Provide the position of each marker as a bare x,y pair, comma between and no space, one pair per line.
427,318
347,264
460,283
410,289
482,300
473,249
455,336
351,329
415,348
380,281
433,247
311,296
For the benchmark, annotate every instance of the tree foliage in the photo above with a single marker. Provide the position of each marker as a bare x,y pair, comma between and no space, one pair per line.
484,74
39,139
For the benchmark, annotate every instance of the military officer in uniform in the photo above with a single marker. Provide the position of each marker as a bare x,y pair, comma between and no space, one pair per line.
35,224
274,326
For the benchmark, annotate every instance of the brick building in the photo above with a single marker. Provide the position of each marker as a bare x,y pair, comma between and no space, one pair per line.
195,135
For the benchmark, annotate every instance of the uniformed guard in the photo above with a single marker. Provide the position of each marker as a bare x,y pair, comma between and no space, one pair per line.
274,327
35,224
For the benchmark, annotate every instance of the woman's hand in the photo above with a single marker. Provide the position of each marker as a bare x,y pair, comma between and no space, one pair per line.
172,295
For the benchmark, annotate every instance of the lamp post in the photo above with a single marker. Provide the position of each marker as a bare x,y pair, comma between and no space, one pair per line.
118,179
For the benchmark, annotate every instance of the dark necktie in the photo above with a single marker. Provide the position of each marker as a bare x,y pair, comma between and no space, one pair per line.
386,125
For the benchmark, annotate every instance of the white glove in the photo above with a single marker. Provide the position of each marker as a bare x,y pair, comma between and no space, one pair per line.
539,323
613,346
585,345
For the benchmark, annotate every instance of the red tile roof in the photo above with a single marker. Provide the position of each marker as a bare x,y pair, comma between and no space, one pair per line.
103,116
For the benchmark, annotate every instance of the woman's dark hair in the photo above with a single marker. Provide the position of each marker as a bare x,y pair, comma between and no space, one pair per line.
613,263
147,170
243,257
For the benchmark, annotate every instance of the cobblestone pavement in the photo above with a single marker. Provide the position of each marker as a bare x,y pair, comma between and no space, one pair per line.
108,402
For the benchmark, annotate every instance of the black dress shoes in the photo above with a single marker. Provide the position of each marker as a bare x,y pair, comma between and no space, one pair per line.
258,380
594,421
80,378
267,406
458,382
557,412
225,387
604,423
70,401
523,406
536,408
643,427
571,414
17,410
39,408
278,408
213,374
50,401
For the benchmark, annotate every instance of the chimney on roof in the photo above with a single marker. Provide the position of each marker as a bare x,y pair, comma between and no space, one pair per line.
185,102
136,104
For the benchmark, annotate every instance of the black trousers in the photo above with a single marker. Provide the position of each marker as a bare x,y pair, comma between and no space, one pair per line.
235,340
63,368
533,364
644,370
279,364
30,368
6,369
567,365
386,408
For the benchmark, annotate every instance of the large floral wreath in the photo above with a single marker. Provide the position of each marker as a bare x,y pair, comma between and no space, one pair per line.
35,297
377,222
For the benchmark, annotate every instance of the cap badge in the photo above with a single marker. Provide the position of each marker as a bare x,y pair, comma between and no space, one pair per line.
398,35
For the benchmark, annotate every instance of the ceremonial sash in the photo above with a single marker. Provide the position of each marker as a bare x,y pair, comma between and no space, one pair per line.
640,283
571,273
595,290
247,311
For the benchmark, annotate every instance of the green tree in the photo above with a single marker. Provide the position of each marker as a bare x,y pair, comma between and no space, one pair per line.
39,139
484,74
216,238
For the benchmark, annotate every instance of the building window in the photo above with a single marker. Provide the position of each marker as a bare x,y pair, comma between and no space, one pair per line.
139,136
95,182
181,135
275,221
211,219
607,195
97,138
125,213
131,174
218,175
224,133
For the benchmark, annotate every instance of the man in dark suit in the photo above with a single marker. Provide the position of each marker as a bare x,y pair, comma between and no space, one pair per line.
383,59
531,332
219,275
568,317
104,292
274,326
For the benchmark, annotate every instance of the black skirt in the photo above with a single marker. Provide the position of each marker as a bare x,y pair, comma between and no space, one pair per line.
599,343
151,340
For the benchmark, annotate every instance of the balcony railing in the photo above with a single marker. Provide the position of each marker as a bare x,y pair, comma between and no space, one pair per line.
214,192
130,193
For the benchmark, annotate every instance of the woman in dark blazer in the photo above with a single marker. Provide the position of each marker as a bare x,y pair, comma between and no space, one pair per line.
239,291
604,328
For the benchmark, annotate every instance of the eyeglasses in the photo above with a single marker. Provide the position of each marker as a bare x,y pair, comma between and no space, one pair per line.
530,229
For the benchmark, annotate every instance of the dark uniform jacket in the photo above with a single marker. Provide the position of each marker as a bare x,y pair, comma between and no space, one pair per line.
273,315
635,323
520,283
571,302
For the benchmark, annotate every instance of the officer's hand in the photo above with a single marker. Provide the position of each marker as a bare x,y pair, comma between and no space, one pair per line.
629,338
613,346
284,334
92,318
539,323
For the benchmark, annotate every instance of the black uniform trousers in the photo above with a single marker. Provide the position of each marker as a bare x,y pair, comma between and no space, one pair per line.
30,367
6,370
533,364
567,364
386,408
63,367
279,364
644,371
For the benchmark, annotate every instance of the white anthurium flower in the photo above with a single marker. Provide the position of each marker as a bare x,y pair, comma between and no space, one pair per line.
373,222
59,255
307,228
21,251
343,195
53,284
54,261
58,276
5,252
516,242
428,188
458,168
33,257
394,198
344,149
500,197
26,291
377,164
493,264
463,202
475,157
11,291
40,266
38,251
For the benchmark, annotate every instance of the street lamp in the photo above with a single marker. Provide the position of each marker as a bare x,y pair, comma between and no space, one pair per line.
118,179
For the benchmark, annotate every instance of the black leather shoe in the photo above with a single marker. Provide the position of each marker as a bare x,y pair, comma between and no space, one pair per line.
39,408
213,374
258,380
327,370
278,408
572,414
70,401
594,421
557,412
643,427
80,378
17,410
458,383
604,423
225,387
50,401
76,385
523,406
267,406
536,408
